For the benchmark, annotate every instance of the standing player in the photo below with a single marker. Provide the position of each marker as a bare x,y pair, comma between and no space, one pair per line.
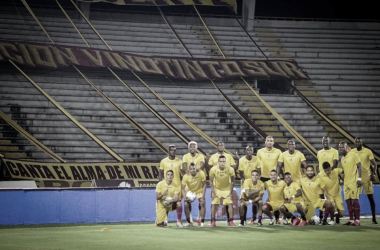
199,160
165,189
196,182
222,181
369,168
231,161
352,169
327,154
252,191
275,189
172,162
294,203
292,161
247,164
311,185
268,157
330,178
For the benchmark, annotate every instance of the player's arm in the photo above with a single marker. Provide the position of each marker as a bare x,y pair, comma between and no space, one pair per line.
298,194
303,164
207,163
204,189
176,198
241,173
359,181
232,185
373,169
159,195
202,165
160,174
325,193
280,165
183,190
236,158
211,181
254,192
335,164
184,168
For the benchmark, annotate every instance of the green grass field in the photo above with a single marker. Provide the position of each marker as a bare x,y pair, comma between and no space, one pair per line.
147,236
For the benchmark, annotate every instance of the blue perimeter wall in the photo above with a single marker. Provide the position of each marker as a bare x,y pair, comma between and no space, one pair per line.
61,206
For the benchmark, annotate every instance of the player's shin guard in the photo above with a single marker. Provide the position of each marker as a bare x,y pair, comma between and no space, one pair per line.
349,208
356,208
327,212
179,214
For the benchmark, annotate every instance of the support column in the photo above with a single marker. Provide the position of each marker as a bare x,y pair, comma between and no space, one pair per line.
248,14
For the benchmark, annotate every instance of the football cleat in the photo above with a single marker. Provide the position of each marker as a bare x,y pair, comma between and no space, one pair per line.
348,223
296,221
231,224
179,224
202,224
162,224
252,221
332,222
374,222
213,224
303,223
278,221
271,222
188,224
259,223
241,225
199,222
285,222
356,223
324,222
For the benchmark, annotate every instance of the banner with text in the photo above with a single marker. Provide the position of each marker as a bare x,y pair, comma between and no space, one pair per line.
84,174
58,56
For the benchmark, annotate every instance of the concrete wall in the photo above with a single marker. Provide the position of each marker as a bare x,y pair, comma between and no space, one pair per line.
60,206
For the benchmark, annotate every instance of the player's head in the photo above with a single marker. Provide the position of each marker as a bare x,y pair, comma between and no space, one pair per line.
169,175
288,178
269,142
222,162
249,151
192,169
326,167
255,175
358,143
343,148
220,146
273,175
291,146
172,150
326,142
192,146
310,171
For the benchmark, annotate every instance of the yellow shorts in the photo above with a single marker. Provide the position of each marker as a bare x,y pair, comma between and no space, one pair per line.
367,186
275,205
338,202
352,191
222,194
292,207
311,206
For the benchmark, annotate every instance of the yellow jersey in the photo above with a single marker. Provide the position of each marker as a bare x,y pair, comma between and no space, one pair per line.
175,165
268,159
292,163
247,166
222,178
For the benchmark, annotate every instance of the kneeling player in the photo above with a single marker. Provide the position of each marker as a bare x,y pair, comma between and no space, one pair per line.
275,189
164,191
293,201
311,185
196,182
252,192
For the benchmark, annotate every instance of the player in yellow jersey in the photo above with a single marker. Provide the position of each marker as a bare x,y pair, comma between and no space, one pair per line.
193,157
222,181
292,161
352,169
252,191
369,168
327,154
330,178
275,189
231,161
268,157
174,163
196,182
311,185
293,203
199,160
248,163
165,190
